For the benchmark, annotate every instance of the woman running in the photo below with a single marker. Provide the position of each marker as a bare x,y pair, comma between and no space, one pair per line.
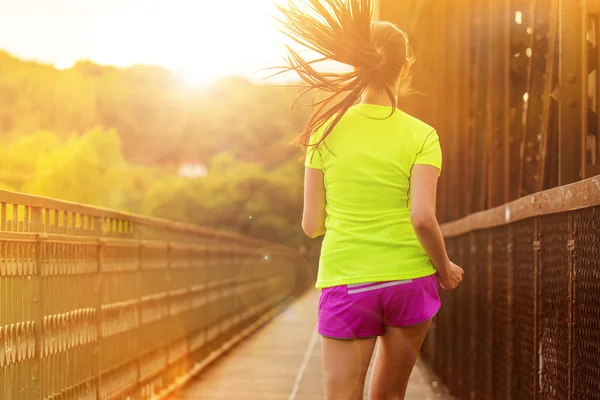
370,188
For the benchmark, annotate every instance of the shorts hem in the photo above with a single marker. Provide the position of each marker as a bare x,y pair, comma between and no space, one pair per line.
355,336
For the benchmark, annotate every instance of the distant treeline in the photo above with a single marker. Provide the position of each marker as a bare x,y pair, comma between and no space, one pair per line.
116,137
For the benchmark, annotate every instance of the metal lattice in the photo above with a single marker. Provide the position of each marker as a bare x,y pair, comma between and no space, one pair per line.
586,313
527,315
483,327
501,309
448,336
524,310
460,320
469,263
555,281
103,305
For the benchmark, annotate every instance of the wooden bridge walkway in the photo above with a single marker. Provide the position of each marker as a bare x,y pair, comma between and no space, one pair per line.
282,361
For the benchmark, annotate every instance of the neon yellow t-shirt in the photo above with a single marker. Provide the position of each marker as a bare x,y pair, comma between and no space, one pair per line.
367,162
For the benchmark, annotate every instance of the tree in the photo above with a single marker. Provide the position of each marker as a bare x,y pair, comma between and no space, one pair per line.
87,169
115,137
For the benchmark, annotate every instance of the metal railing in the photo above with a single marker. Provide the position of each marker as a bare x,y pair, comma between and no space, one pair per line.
97,304
525,323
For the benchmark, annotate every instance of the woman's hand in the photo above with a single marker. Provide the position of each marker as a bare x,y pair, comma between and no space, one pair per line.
452,278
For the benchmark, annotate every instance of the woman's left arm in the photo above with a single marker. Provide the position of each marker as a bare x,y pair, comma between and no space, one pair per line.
313,217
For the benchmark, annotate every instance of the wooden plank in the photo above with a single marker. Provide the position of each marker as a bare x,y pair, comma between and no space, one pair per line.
540,85
464,101
442,12
498,110
452,155
573,97
593,23
480,134
520,20
472,107
571,197
547,98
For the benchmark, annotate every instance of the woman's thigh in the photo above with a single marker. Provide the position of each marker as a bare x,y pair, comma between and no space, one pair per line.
408,310
345,366
397,354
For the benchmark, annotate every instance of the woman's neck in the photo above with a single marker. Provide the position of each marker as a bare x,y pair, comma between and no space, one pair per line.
376,97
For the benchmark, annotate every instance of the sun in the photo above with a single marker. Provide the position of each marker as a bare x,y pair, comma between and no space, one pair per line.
198,40
196,76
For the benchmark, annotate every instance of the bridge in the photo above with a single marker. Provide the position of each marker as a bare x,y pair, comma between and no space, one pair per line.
98,304
104,305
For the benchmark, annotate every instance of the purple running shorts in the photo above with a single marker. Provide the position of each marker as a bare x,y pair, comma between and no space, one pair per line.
363,310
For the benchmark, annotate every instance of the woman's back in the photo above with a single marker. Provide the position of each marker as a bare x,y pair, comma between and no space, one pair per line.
362,170
367,161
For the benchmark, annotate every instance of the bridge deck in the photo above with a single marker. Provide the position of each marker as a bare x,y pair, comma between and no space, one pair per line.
281,361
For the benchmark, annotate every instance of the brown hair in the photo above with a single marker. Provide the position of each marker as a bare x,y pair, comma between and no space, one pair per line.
342,31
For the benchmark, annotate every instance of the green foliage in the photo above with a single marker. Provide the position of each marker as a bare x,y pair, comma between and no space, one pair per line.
84,169
117,137
241,197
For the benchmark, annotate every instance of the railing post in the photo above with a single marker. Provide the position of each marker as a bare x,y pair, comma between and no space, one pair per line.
96,227
33,387
571,247
175,334
473,300
96,363
488,389
537,307
510,328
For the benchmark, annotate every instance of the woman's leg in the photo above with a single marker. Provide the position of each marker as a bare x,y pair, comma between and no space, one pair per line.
397,354
345,365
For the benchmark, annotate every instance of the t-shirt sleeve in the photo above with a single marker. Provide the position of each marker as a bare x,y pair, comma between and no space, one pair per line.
431,151
313,153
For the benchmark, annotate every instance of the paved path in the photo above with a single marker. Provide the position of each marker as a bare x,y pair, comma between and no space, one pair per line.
282,361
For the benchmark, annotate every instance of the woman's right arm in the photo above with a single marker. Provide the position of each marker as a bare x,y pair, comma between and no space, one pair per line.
423,184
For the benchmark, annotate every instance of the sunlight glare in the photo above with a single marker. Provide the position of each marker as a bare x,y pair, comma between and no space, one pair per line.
197,77
200,41
518,17
64,64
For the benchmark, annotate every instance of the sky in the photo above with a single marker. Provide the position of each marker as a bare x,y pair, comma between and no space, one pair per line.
198,39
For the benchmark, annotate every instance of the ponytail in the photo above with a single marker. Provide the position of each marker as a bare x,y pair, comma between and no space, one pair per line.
342,31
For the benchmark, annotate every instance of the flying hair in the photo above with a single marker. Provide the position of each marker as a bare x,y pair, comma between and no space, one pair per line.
342,31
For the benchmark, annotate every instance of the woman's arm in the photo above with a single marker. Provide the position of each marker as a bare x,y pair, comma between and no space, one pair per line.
313,217
423,186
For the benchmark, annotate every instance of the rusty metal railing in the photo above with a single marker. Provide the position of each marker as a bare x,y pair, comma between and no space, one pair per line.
97,304
525,323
